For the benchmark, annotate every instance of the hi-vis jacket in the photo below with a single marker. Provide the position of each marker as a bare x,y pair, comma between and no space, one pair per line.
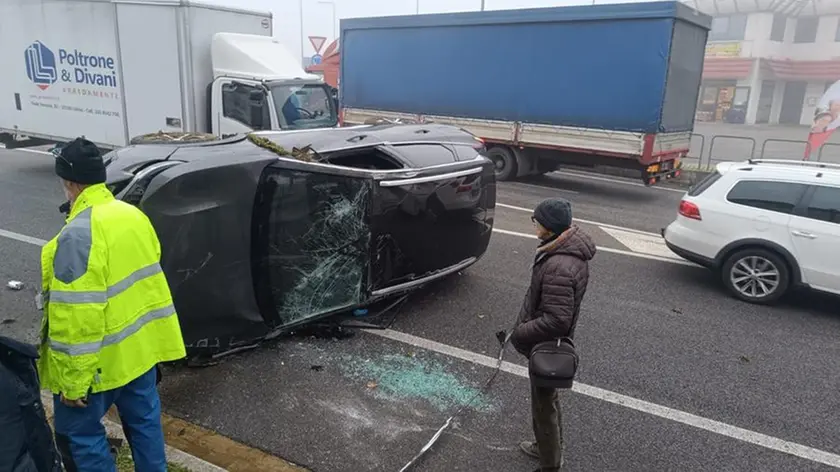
108,312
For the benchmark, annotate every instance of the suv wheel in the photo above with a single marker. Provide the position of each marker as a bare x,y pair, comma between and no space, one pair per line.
756,275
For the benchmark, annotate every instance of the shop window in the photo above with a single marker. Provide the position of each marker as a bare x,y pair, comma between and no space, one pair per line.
806,29
728,28
779,26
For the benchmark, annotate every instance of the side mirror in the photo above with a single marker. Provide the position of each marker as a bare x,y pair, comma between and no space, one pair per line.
257,115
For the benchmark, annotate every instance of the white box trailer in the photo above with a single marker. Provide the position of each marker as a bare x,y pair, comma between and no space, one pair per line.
111,70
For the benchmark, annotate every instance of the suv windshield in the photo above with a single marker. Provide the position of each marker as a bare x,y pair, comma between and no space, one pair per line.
304,106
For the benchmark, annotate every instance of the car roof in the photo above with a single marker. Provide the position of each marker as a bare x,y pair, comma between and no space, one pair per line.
784,169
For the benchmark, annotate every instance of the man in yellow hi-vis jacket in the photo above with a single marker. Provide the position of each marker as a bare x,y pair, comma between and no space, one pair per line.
108,320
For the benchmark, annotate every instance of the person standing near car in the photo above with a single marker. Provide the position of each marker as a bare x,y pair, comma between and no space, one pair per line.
108,320
27,444
559,278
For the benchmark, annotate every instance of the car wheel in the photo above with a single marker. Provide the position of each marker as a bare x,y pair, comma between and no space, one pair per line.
504,162
756,275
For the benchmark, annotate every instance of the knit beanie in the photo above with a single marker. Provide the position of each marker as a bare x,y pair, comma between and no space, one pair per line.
555,214
81,162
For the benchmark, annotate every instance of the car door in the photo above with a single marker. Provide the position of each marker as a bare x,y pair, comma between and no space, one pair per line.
816,236
311,241
429,221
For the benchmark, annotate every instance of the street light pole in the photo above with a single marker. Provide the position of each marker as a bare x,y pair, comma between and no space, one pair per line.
417,5
331,4
482,5
301,30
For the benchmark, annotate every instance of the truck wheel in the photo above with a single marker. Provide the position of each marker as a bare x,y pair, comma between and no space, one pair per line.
756,275
504,161
176,137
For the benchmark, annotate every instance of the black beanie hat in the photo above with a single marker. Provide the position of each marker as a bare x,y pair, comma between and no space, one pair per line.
555,214
81,162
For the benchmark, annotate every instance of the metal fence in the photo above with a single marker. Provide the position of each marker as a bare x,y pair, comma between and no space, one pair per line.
706,151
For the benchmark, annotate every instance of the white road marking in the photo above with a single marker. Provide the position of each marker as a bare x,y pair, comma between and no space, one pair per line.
706,424
36,151
615,181
611,250
22,238
653,245
588,222
524,184
40,242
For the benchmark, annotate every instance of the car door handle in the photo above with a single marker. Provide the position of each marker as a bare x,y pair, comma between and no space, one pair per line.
803,234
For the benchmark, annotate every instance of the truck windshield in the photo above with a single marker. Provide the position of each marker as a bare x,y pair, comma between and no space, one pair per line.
304,106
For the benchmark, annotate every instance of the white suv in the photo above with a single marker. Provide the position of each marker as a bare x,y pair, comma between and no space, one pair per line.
765,225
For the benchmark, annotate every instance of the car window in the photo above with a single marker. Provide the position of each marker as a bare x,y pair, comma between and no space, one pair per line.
466,153
825,205
236,104
424,155
704,184
780,197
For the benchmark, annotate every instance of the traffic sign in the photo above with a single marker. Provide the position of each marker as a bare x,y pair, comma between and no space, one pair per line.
315,60
317,42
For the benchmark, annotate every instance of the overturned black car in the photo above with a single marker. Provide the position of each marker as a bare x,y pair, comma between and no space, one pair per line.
263,233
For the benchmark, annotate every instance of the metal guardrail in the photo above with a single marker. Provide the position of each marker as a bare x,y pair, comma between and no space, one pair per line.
749,145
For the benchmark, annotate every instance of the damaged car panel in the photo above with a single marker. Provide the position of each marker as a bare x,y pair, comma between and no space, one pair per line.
256,241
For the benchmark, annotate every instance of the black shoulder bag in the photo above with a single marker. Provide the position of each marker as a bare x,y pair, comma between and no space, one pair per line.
553,364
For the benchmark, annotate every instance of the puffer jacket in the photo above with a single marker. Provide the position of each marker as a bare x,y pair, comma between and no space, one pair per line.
27,444
558,283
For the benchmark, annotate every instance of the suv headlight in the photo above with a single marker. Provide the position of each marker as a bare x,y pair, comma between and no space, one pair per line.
135,190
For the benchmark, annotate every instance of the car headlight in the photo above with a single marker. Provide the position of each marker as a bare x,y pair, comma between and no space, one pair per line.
137,188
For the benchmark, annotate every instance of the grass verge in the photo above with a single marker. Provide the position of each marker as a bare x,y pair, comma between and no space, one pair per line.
126,464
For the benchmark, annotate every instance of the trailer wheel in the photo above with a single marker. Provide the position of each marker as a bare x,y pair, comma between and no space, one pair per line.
504,161
178,137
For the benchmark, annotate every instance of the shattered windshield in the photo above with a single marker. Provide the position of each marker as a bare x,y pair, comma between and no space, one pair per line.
314,242
304,106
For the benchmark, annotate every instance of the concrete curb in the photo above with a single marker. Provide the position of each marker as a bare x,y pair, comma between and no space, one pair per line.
174,456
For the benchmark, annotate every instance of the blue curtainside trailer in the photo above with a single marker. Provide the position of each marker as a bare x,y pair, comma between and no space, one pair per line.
588,85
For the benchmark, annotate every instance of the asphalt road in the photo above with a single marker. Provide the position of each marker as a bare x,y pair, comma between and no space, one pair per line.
651,329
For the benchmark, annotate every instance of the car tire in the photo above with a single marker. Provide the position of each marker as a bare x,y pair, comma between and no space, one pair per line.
741,274
504,163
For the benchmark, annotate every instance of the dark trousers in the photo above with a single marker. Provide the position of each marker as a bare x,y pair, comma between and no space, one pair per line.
548,427
81,437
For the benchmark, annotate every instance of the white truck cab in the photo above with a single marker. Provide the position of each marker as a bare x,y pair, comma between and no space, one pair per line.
259,85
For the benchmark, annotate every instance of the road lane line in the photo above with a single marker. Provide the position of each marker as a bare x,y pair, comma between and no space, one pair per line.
653,245
588,222
22,238
525,184
36,151
679,416
615,181
40,242
610,250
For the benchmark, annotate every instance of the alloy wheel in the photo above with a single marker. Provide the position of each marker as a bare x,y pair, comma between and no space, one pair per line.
755,277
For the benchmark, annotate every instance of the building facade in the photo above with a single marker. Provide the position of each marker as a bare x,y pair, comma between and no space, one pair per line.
768,61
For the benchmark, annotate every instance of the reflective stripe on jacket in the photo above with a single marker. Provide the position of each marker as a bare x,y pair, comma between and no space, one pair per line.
108,313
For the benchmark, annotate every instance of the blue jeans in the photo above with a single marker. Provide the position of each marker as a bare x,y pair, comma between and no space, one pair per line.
81,437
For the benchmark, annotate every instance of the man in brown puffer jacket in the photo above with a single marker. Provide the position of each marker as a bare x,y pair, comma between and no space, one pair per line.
550,311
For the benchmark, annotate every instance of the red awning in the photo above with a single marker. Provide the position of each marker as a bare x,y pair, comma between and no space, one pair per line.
727,68
787,69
